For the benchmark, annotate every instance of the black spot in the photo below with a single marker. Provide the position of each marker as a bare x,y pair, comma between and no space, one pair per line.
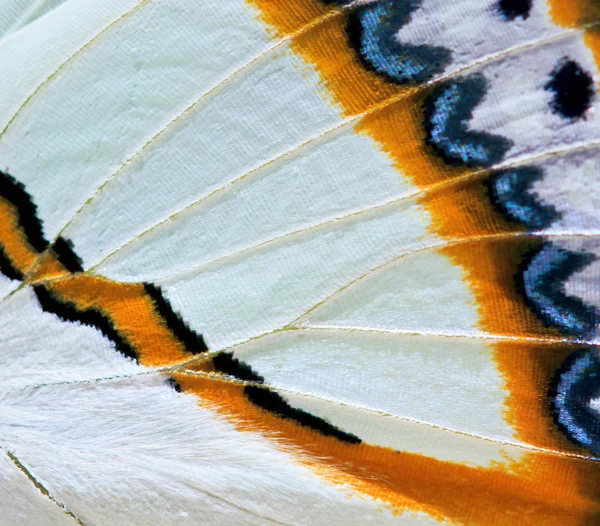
194,343
63,250
275,403
572,88
511,9
173,384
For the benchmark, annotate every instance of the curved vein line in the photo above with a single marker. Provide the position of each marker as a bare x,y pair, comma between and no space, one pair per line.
192,271
20,286
230,379
235,506
40,487
474,175
204,97
478,335
115,377
393,261
348,122
240,348
70,58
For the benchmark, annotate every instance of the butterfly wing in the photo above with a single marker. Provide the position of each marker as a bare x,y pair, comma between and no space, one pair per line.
302,263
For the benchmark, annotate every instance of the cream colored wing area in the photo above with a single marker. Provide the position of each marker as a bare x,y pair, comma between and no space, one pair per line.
238,133
266,288
422,293
39,348
134,451
441,23
21,503
16,14
327,181
411,377
7,286
520,108
35,54
407,436
116,94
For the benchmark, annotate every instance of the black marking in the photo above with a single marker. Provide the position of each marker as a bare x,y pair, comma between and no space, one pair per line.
447,112
275,403
174,384
14,192
226,363
63,250
541,279
575,386
511,9
572,88
509,191
193,342
69,312
372,33
7,268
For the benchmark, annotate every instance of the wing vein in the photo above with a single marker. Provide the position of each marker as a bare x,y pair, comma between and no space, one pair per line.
41,488
228,379
346,123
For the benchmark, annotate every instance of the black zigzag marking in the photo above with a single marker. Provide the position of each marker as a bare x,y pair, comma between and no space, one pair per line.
371,31
69,312
63,250
193,342
509,191
541,279
574,387
273,402
446,113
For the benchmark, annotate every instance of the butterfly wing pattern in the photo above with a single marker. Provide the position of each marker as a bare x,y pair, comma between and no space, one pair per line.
302,262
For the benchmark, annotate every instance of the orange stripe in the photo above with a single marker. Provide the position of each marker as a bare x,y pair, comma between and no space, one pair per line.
540,490
355,88
574,13
285,17
469,495
131,311
13,240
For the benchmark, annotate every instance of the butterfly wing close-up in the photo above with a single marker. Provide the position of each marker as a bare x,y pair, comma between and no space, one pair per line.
301,262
